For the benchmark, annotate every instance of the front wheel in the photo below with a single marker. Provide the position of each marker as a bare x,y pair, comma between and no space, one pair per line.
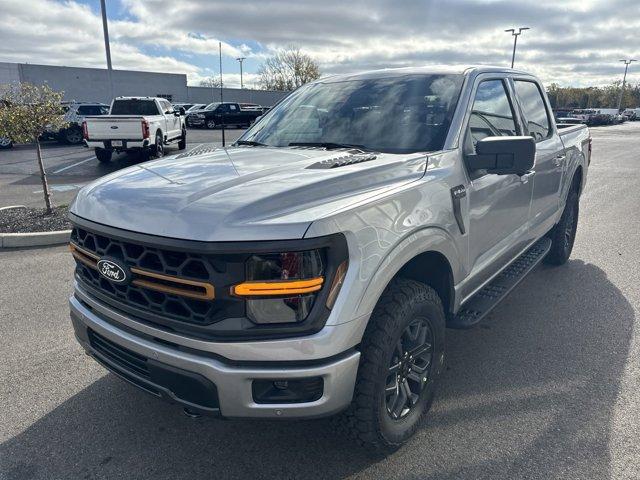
402,358
563,235
103,156
73,136
211,124
5,143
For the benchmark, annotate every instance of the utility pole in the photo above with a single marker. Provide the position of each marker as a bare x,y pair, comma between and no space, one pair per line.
515,40
241,59
624,80
107,48
221,94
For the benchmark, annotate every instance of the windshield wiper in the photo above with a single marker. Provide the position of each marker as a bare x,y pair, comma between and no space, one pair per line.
251,143
329,145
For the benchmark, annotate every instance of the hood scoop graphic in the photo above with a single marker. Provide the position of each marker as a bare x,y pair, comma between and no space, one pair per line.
342,161
199,150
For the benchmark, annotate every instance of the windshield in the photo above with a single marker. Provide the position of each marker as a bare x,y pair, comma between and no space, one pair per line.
212,106
394,115
134,107
195,107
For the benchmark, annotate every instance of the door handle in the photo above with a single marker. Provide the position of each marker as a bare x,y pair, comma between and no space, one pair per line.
559,159
524,178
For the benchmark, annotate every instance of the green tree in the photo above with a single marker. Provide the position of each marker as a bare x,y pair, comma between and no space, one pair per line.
288,69
26,112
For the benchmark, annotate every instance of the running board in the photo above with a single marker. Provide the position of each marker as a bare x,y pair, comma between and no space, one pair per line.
479,306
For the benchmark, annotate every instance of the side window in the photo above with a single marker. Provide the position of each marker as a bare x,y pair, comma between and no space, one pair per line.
491,114
534,109
232,108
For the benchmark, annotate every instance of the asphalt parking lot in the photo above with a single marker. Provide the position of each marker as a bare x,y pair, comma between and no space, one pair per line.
71,167
547,387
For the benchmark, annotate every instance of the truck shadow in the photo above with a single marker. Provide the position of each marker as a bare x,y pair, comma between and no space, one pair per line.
531,393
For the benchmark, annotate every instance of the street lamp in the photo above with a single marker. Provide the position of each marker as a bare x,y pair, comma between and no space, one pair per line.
241,59
515,40
624,79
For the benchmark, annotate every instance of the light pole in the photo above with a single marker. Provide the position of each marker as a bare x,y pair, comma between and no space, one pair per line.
105,30
241,59
515,40
624,79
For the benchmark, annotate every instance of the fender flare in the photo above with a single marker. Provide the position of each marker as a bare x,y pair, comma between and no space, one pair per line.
428,239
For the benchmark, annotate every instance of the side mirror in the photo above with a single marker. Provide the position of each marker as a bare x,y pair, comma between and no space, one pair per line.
504,155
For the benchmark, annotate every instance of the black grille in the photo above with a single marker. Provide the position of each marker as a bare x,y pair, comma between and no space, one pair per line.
122,357
155,306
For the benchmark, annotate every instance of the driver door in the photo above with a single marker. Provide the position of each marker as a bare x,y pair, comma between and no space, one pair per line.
498,204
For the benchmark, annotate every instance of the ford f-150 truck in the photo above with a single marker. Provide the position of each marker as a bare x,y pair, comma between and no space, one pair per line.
138,124
312,268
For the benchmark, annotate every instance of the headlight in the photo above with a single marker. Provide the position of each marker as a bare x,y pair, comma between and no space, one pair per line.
199,115
281,287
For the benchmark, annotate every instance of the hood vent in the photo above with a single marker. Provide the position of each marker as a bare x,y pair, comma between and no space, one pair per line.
342,161
199,150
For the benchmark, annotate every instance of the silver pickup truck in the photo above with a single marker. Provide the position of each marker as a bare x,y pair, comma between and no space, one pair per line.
312,268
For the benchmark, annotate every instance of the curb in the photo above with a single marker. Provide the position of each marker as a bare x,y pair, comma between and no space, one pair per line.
37,239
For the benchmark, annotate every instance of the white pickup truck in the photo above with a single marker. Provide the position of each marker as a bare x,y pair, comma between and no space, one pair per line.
143,124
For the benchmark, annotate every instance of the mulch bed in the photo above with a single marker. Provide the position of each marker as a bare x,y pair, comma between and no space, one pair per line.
26,220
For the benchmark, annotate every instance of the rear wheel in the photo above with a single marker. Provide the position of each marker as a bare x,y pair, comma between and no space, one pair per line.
5,143
103,156
182,143
563,234
402,359
157,151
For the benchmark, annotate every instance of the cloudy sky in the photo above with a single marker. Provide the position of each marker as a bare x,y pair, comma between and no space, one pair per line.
571,42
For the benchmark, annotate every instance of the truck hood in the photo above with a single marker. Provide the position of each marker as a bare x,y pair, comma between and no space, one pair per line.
241,193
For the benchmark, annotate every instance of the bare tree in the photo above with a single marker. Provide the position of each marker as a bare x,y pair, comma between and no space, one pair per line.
211,82
26,112
288,69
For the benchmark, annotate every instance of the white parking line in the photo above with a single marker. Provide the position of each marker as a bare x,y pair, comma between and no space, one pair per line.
74,164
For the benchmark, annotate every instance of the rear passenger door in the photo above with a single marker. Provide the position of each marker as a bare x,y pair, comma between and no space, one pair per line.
550,157
498,204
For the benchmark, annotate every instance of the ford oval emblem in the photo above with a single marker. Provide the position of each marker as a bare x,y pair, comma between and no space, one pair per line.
113,271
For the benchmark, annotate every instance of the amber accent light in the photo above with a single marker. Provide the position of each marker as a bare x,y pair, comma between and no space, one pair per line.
283,287
151,280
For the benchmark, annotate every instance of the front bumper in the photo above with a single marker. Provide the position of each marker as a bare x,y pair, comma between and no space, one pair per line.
231,381
194,121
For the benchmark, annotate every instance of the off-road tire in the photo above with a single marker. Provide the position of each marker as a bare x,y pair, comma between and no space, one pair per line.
564,233
103,156
367,419
182,143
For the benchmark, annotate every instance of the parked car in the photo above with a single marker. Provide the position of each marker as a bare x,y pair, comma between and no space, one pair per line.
569,121
226,113
311,268
136,124
74,114
196,107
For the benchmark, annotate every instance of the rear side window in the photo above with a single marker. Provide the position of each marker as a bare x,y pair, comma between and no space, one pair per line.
491,114
134,107
534,109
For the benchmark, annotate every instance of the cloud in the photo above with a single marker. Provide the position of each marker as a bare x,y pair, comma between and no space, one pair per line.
577,42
